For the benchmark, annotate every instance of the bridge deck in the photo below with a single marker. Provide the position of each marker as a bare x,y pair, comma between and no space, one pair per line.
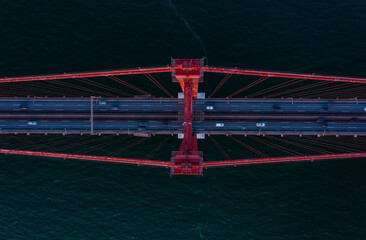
165,116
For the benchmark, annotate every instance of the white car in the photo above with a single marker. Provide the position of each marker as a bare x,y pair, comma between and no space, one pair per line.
260,124
32,123
210,107
102,102
220,124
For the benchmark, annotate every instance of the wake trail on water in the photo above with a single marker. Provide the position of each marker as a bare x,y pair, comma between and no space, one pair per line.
196,36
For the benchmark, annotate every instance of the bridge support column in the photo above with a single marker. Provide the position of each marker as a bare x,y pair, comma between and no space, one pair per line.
188,160
187,124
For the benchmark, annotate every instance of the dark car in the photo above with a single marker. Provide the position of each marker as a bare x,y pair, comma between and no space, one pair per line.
276,107
143,124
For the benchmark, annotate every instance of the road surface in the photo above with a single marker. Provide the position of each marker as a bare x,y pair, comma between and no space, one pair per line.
165,116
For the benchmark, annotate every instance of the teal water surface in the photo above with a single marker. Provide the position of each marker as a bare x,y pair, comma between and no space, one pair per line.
58,199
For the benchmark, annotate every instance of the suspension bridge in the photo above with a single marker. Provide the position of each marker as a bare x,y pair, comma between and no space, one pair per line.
192,115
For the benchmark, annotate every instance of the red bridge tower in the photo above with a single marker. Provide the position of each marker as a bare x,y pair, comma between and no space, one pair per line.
188,160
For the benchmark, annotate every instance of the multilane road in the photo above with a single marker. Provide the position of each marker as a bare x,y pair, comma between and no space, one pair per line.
165,116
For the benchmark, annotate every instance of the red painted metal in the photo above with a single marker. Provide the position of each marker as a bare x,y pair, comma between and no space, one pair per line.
282,159
89,158
186,163
179,69
179,163
89,74
188,160
281,75
188,72
187,124
187,69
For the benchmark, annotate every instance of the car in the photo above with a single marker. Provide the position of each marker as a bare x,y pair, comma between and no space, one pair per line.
220,124
23,107
32,123
276,107
364,109
114,108
325,108
210,108
102,102
320,120
144,124
141,128
260,124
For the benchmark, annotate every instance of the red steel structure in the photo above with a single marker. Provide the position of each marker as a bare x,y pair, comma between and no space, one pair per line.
182,168
166,69
189,73
187,160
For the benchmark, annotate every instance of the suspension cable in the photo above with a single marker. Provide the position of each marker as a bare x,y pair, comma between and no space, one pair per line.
323,90
298,89
96,84
345,91
324,144
223,81
249,147
58,141
248,86
89,149
105,143
14,90
20,86
36,143
359,142
78,143
80,87
127,147
153,80
343,144
220,148
157,148
61,91
129,85
300,145
276,146
282,85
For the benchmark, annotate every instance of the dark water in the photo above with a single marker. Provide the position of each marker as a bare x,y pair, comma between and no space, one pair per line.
56,199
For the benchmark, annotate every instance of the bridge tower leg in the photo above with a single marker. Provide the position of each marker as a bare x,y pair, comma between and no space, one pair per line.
188,160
